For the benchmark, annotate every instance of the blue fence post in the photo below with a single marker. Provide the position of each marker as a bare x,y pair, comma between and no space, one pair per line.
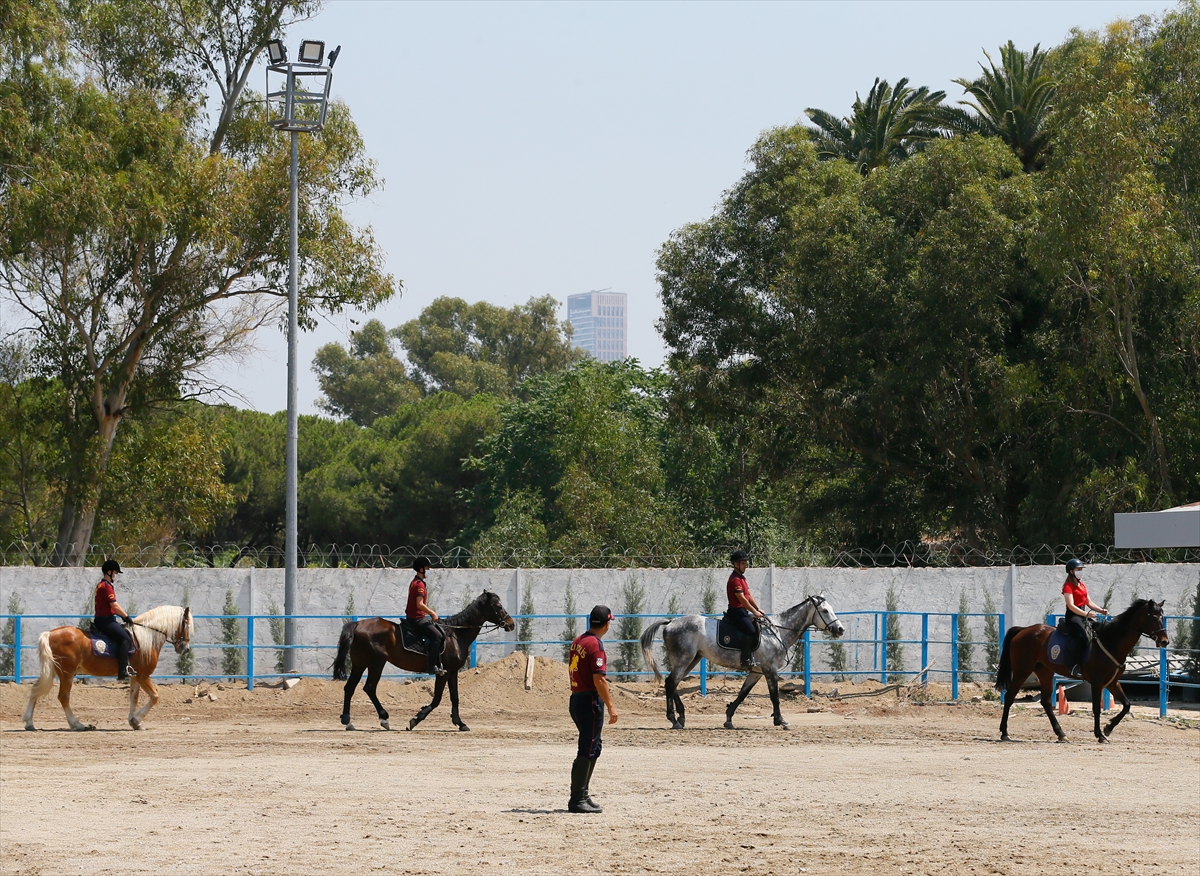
1107,704
808,662
250,652
925,647
881,644
1162,682
954,657
17,649
474,654
703,676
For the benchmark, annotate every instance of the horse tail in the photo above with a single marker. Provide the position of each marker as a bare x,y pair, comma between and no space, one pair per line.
1004,667
339,662
45,679
648,645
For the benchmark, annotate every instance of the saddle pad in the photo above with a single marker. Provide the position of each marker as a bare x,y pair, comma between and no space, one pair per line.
102,646
729,636
1063,649
410,640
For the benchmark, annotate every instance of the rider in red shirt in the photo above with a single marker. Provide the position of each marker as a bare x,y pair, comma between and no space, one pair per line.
743,611
423,619
1080,608
589,695
105,619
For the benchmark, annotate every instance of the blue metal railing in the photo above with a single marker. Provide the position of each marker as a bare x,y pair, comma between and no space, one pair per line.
877,643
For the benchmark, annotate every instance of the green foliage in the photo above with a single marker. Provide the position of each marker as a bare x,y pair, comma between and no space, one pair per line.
8,636
185,663
1193,644
570,626
991,633
471,348
966,650
278,634
708,598
839,664
30,450
349,613
231,635
889,126
525,627
629,629
516,538
368,381
893,634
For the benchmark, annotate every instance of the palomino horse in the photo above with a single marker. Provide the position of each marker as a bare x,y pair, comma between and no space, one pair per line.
370,644
1024,652
689,638
65,651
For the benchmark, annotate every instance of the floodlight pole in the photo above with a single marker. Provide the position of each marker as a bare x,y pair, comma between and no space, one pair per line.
291,452
301,109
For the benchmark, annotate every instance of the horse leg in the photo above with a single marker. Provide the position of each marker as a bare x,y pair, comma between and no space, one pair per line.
773,688
351,684
438,686
1097,693
64,697
1046,678
1123,699
373,675
141,681
452,680
678,699
752,678
1018,671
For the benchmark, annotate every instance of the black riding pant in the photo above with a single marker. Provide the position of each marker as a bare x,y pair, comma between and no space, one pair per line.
113,630
587,711
427,628
742,620
1079,629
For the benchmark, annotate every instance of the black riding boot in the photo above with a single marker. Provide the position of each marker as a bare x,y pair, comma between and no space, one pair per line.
748,660
579,778
435,664
587,783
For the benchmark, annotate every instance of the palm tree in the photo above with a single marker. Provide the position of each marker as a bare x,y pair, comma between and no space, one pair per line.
889,126
1012,102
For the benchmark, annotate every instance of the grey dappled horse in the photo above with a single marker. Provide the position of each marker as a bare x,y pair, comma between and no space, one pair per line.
693,636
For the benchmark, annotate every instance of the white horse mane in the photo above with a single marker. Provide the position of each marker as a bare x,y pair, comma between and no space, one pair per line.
154,626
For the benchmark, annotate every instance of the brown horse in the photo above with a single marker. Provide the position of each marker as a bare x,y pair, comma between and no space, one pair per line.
65,651
370,644
1024,652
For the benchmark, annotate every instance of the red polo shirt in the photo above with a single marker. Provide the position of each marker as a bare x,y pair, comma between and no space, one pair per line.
587,661
737,584
105,597
416,591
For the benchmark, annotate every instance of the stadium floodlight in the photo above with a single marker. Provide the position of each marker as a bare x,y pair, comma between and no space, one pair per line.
312,52
276,52
333,56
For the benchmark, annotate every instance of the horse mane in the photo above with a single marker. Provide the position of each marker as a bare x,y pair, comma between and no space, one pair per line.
155,626
470,616
1138,605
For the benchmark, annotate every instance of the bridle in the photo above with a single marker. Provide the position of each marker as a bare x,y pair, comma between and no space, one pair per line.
817,602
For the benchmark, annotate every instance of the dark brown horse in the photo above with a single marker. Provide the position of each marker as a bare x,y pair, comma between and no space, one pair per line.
1024,652
370,644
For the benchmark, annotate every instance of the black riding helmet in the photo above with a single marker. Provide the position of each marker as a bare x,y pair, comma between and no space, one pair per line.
111,566
421,563
1072,565
738,556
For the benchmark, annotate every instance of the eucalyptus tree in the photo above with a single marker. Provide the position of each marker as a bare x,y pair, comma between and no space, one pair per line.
143,232
1013,102
889,126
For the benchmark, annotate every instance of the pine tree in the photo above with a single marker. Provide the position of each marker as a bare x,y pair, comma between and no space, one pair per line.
231,634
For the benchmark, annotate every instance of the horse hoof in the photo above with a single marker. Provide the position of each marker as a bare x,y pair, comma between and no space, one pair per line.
675,725
385,725
411,724
1103,740
784,725
463,728
350,726
1005,738
136,725
728,725
1062,739
345,719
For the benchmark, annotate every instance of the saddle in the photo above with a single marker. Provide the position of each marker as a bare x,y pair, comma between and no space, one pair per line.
729,636
102,646
411,640
1064,649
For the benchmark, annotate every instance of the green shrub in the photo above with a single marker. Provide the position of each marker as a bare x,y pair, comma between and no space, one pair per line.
231,634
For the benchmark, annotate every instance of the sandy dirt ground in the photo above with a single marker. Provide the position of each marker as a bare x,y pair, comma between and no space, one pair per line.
267,782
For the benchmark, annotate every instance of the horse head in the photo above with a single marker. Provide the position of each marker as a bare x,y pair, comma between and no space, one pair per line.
1152,623
182,638
825,619
494,612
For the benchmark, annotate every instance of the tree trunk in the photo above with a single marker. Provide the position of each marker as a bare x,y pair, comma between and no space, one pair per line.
90,455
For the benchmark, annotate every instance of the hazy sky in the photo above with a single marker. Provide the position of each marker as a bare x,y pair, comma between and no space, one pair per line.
539,148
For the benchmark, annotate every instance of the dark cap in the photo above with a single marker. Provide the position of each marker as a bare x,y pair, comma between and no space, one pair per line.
111,566
738,556
601,614
1072,565
421,563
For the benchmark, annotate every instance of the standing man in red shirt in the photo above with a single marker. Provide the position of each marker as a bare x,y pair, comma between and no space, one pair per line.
589,696
105,619
423,618
1080,608
743,611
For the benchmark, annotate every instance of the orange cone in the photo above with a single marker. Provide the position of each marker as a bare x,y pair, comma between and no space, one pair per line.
1063,708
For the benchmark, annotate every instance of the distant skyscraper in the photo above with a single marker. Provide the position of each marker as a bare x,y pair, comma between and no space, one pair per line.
599,320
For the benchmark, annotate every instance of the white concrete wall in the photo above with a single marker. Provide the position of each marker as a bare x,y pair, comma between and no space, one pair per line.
1036,591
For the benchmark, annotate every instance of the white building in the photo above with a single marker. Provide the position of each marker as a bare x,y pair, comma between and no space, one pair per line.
599,320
